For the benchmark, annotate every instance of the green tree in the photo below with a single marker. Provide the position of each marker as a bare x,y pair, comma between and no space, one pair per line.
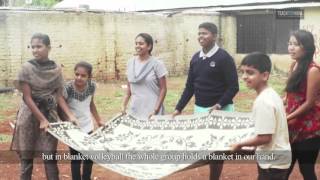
3,2
44,3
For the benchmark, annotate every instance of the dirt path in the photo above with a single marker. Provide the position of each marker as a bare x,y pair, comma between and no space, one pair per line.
231,171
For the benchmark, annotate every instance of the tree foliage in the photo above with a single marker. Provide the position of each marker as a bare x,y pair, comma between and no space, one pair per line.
24,3
3,2
44,3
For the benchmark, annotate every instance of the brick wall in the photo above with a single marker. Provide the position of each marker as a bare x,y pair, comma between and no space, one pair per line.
104,39
4,50
107,39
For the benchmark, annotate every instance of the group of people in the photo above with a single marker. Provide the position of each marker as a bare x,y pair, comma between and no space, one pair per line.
290,124
47,99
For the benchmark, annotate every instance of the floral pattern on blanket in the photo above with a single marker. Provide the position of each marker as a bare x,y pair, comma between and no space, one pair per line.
124,133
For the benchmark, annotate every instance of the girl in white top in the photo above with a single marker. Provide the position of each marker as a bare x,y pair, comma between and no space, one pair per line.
79,96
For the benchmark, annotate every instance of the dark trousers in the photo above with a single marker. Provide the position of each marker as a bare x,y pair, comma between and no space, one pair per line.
272,174
215,169
76,166
51,168
306,153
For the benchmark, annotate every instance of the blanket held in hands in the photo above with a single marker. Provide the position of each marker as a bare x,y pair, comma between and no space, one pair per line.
152,149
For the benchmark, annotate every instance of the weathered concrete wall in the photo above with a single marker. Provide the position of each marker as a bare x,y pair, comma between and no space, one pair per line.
73,36
229,33
104,39
107,39
4,51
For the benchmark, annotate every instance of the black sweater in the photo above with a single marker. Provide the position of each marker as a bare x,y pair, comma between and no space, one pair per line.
212,80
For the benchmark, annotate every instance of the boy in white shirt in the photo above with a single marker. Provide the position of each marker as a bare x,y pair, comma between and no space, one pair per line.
273,153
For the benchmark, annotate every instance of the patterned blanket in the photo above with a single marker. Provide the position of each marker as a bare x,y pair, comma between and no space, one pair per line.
152,149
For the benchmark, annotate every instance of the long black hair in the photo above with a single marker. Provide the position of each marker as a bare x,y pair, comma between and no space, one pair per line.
306,41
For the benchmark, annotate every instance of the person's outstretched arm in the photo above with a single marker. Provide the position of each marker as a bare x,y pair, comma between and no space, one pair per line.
126,99
256,141
231,80
26,90
95,113
162,95
187,93
65,108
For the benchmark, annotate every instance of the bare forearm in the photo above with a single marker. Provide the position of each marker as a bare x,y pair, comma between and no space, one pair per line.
313,88
162,95
125,101
300,110
26,90
284,99
127,97
257,141
94,112
34,109
62,103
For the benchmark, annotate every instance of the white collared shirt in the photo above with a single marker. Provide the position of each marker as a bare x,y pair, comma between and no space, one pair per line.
212,51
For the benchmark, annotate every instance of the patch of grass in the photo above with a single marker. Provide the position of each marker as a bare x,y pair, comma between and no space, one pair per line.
108,106
245,97
278,83
2,117
5,138
171,100
118,94
8,103
243,101
109,97
242,87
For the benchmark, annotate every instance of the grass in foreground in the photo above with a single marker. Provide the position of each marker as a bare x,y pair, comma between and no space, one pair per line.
109,98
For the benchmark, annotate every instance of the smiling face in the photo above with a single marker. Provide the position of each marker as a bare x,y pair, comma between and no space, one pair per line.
253,78
206,38
40,51
81,77
295,49
142,47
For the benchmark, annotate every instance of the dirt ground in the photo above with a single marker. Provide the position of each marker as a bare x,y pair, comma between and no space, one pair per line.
231,171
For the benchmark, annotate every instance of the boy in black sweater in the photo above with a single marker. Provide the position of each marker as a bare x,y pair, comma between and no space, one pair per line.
212,78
